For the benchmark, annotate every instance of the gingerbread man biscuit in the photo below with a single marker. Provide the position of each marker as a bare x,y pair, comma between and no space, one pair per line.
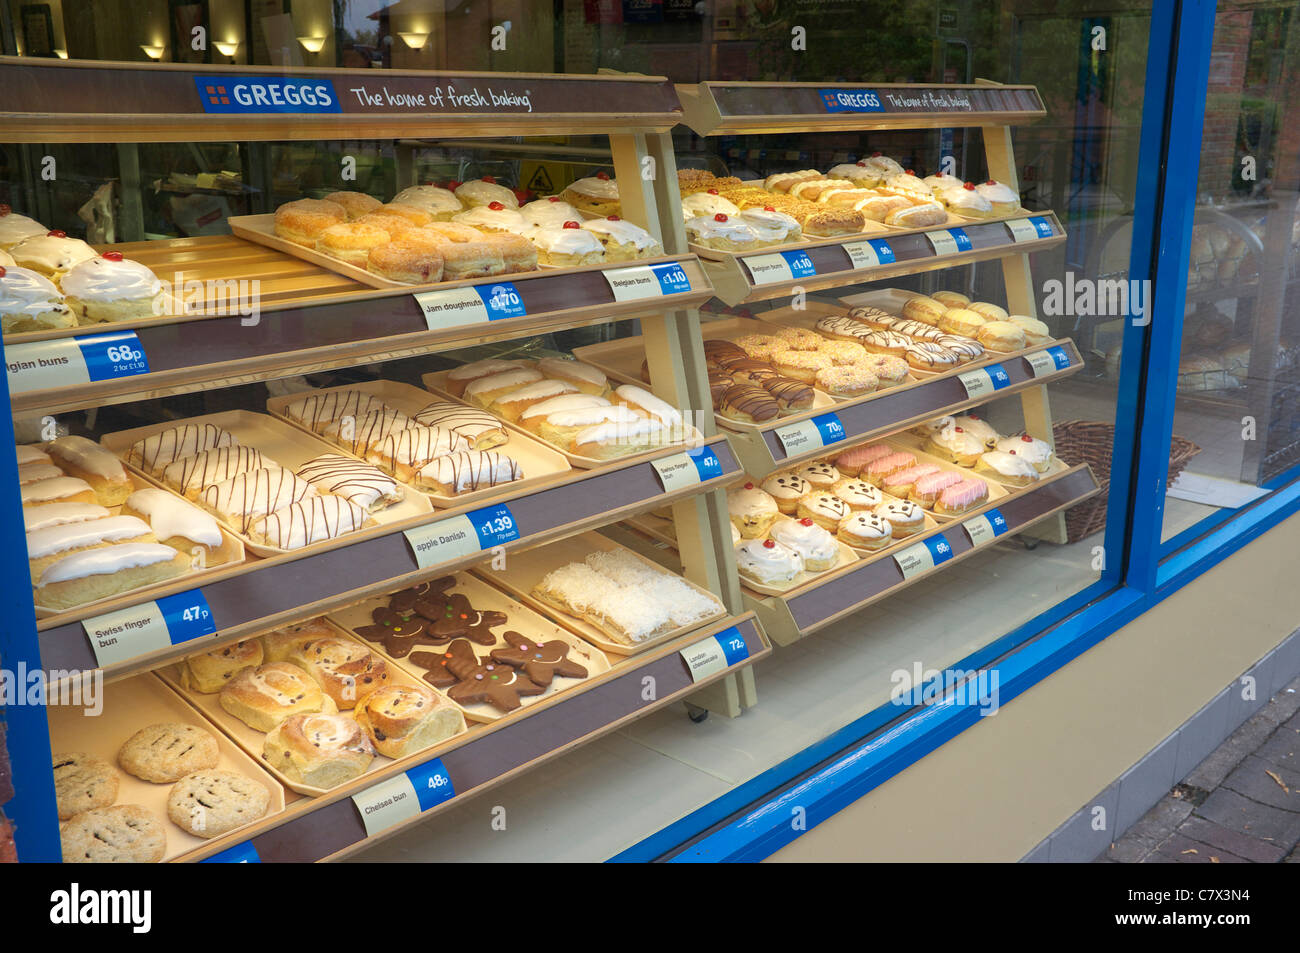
542,661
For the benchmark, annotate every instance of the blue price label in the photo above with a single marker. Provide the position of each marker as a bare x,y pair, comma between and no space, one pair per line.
186,615
494,524
244,853
502,300
997,521
672,278
432,783
801,265
1042,226
940,548
998,375
706,463
1059,356
883,251
829,426
961,238
114,355
851,100
733,645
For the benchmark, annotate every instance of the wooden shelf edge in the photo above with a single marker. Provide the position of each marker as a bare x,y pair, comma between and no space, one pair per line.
786,621
329,828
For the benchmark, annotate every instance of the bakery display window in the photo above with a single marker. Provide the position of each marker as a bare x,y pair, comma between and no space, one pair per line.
386,431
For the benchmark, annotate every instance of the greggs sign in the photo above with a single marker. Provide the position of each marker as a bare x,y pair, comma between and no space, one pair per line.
232,94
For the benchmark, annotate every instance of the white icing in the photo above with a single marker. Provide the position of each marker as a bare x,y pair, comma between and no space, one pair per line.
563,403
105,561
997,192
641,399
811,542
760,218
485,193
61,514
503,381
428,198
32,472
459,419
51,252
786,486
558,240
28,293
15,228
621,232
702,203
483,368
619,432
884,166
963,198
107,280
505,219
750,501
564,367
85,454
255,493
958,440
590,416
776,562
361,483
169,516
417,446
799,188
1008,464
853,171
154,452
308,521
596,187
537,390
899,511
1033,450
733,229
546,212
867,526
317,410
54,489
212,466
471,470
58,539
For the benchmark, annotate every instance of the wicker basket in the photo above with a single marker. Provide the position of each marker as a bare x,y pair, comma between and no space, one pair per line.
1090,442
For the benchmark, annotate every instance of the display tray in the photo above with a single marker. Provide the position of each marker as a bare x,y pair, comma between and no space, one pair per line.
128,706
231,553
519,619
524,570
261,229
252,741
436,383
280,279
539,462
914,443
285,444
622,358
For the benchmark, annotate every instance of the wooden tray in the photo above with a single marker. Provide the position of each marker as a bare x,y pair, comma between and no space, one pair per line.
128,706
436,382
913,442
520,619
539,461
524,570
232,553
288,446
253,741
261,229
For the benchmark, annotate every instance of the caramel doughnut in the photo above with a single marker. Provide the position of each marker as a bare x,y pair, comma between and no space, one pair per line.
302,221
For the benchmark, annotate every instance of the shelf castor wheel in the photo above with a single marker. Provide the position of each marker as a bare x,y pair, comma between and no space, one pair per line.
1029,544
695,713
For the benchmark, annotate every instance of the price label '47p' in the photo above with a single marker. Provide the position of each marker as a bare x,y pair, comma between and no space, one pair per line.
128,633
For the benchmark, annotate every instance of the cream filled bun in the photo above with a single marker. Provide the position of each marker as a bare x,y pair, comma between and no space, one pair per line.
485,191
15,228
549,211
111,288
441,203
623,240
567,244
707,203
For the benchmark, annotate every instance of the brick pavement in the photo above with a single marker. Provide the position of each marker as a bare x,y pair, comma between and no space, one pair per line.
1241,805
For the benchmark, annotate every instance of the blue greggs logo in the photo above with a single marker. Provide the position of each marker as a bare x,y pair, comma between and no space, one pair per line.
266,94
851,101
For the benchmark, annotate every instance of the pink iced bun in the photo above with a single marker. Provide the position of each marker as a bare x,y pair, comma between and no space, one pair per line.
889,463
852,461
962,496
926,490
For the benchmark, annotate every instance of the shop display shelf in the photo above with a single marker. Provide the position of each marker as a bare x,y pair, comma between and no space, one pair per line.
262,593
334,826
832,263
753,108
314,320
813,433
835,594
